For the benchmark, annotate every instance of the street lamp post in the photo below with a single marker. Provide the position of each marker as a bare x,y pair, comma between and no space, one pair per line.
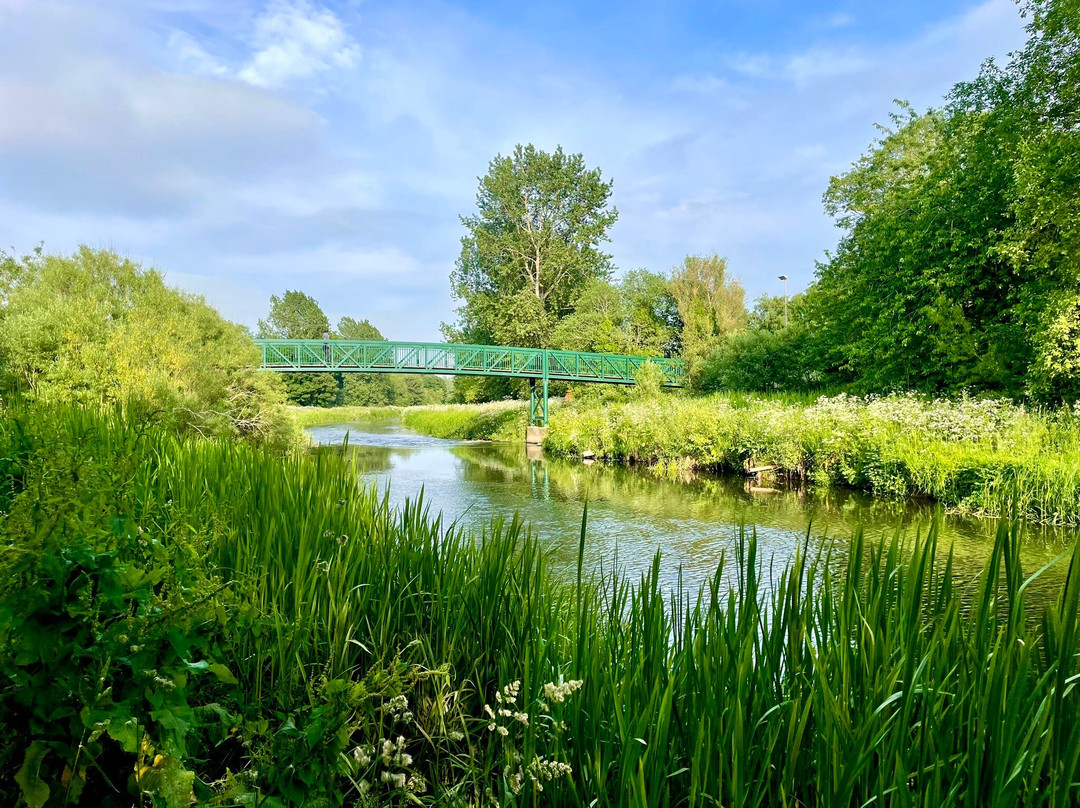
784,279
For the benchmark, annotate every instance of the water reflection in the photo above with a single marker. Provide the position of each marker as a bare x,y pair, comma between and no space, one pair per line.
632,514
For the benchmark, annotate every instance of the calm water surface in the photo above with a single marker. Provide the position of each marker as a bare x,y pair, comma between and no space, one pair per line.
633,514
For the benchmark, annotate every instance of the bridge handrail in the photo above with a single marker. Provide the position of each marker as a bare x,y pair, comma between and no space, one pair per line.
567,364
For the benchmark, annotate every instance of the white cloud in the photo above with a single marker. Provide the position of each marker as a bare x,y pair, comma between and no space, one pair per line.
192,58
296,40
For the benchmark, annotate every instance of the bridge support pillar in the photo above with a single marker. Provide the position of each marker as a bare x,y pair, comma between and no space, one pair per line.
538,403
534,435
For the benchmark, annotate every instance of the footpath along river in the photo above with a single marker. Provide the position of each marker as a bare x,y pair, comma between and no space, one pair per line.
633,513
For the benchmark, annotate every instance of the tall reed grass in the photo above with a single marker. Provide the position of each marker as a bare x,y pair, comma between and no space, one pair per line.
320,416
863,674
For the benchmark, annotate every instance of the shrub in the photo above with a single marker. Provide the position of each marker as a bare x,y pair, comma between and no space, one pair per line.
761,361
98,329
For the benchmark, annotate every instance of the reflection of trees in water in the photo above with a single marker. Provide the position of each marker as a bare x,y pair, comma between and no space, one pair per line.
698,515
825,512
366,459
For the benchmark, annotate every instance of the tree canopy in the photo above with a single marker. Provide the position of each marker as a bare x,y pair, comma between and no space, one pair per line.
959,263
531,248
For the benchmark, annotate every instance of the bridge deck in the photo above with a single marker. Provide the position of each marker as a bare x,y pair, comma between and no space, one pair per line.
354,356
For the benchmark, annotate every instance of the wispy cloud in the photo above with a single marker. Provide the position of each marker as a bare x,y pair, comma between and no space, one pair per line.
297,40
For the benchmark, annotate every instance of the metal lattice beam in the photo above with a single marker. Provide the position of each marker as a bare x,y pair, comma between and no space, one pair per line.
356,356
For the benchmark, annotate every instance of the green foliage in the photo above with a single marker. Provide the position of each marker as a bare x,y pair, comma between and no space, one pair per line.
710,303
99,329
350,328
760,360
319,416
973,455
638,316
504,421
958,267
295,315
531,247
648,382
379,657
103,621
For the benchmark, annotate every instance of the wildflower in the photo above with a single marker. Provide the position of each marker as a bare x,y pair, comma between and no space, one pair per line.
503,731
397,779
387,752
543,769
509,694
557,693
515,780
455,735
417,784
362,755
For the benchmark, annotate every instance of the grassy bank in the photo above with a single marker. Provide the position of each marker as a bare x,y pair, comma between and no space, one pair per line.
320,416
972,455
501,420
202,620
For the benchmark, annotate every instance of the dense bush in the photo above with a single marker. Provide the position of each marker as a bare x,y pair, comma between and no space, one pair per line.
98,329
188,619
762,361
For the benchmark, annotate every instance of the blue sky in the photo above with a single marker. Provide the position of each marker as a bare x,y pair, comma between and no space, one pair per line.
248,147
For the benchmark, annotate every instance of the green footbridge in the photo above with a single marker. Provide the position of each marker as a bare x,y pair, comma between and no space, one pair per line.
446,359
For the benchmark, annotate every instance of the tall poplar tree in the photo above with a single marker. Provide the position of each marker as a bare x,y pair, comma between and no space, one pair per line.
531,247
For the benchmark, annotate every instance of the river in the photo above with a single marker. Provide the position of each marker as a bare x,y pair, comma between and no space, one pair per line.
632,513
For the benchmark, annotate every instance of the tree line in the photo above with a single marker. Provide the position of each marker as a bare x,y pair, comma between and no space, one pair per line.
958,270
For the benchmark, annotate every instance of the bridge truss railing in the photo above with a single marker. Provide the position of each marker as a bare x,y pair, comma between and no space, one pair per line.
536,364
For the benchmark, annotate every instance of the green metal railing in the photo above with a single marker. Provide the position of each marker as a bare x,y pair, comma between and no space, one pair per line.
535,364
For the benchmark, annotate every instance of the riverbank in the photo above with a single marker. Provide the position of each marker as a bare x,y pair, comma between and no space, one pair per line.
498,420
974,456
239,625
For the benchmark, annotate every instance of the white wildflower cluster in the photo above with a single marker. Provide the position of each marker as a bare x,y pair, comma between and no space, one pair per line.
393,760
398,707
394,779
539,771
362,755
509,713
507,700
393,753
557,693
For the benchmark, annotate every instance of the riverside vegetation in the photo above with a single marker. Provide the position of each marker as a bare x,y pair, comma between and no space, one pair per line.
503,420
973,455
200,619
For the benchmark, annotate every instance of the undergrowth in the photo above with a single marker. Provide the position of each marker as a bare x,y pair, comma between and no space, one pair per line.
198,620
